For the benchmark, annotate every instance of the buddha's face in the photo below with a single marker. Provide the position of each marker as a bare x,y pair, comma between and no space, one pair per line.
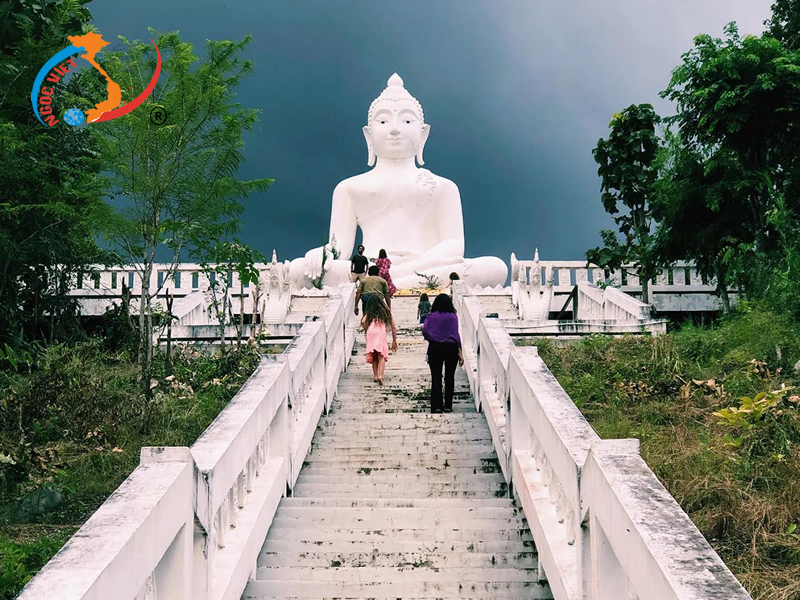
396,131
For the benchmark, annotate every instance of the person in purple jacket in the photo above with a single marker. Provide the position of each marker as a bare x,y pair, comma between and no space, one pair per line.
444,348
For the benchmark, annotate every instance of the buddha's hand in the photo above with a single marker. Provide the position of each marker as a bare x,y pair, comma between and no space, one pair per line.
312,264
400,257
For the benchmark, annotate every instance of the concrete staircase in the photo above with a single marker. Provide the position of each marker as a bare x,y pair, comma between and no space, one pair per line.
394,502
500,304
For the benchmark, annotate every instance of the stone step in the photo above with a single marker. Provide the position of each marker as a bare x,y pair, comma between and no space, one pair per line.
430,503
434,456
392,598
384,393
314,491
402,479
356,446
353,469
413,422
397,588
282,530
411,513
400,422
374,523
333,419
420,559
393,399
373,575
376,546
487,465
407,408
404,437
431,431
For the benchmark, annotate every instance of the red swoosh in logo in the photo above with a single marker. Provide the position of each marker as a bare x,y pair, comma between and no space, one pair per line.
126,108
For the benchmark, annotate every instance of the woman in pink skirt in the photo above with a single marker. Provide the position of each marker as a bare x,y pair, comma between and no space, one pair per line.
377,317
384,264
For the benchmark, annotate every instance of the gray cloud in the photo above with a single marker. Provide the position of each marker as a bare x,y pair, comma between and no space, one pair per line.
517,94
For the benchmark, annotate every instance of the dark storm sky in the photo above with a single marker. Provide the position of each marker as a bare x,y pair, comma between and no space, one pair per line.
517,93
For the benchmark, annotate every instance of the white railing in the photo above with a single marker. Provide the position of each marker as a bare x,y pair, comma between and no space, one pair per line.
243,465
140,540
188,523
307,393
591,303
678,288
604,527
609,304
619,306
681,276
494,351
637,542
469,309
550,440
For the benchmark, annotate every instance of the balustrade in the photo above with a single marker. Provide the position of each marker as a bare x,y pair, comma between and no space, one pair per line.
189,523
603,525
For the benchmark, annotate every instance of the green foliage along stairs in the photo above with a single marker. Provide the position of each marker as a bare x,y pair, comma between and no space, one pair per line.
393,502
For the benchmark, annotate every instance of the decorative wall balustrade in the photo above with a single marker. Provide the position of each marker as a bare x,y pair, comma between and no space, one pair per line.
103,285
677,288
188,523
604,527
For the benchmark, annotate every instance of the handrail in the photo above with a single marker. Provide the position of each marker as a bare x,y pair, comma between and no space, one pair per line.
637,540
135,541
188,524
578,500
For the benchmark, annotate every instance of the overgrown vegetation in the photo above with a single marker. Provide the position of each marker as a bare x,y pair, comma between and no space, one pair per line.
718,414
72,421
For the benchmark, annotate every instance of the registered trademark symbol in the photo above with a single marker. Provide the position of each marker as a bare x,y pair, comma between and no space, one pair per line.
158,116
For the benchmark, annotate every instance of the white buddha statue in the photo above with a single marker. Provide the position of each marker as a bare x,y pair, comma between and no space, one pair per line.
410,212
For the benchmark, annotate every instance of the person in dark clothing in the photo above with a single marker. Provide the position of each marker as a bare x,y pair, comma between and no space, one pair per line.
444,349
372,286
358,266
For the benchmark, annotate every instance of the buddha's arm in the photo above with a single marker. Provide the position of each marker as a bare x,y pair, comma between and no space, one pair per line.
343,220
450,221
343,227
450,233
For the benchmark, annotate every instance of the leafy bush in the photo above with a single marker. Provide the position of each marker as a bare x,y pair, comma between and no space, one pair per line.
74,425
19,561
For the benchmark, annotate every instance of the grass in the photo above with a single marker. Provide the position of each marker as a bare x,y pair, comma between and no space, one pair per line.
740,484
74,425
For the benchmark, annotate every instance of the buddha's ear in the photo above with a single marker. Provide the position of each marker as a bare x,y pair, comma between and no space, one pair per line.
426,129
368,137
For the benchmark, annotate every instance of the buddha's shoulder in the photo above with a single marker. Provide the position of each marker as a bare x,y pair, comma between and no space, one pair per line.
352,183
441,185
370,180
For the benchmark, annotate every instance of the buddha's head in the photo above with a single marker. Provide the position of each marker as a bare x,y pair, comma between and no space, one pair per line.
396,126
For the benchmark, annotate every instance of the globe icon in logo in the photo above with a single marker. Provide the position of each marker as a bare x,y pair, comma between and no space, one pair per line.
74,117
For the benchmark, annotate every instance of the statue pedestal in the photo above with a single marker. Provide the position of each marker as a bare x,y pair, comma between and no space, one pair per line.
487,271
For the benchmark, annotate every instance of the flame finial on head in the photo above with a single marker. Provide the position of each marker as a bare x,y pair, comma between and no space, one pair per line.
394,92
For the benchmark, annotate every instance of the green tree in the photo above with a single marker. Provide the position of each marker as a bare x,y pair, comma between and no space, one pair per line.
50,197
176,182
694,208
219,262
784,24
742,96
628,170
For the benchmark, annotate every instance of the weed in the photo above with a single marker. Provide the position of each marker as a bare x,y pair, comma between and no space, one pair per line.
719,424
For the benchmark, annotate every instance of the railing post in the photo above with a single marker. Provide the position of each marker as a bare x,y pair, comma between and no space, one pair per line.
201,563
607,578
